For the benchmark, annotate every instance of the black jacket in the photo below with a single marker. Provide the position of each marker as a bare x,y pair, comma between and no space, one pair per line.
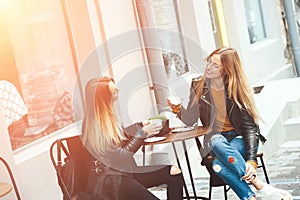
105,172
240,119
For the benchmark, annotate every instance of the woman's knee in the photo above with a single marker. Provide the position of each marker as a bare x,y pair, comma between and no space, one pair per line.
215,141
175,170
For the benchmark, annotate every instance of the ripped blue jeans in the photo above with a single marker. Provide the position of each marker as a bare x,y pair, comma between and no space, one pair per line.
229,162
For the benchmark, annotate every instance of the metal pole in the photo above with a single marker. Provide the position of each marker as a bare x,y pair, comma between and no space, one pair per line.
153,51
293,33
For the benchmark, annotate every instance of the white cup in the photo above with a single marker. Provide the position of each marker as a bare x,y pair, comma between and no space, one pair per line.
156,122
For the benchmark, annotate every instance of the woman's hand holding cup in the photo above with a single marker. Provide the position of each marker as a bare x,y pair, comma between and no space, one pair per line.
152,127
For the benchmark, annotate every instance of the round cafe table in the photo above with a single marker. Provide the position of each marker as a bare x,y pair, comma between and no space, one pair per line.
182,137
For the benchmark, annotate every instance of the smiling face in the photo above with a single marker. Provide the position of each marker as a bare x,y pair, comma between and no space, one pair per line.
214,69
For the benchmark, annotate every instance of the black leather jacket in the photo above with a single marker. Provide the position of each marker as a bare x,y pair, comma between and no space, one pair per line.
105,172
240,119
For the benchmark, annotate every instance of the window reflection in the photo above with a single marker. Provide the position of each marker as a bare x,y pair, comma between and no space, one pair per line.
44,71
255,23
175,65
167,18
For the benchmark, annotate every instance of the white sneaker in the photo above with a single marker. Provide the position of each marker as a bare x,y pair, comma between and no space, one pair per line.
271,193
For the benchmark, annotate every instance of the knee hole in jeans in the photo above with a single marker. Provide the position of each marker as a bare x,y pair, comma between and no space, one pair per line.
216,167
215,140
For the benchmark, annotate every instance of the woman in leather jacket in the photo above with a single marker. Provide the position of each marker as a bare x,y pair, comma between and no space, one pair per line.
112,173
223,100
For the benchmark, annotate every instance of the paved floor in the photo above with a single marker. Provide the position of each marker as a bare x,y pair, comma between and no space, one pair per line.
283,168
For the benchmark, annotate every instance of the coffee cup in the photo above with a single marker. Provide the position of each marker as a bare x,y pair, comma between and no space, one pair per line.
156,122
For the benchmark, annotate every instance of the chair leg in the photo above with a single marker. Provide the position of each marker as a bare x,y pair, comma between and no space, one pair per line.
12,178
264,169
225,192
209,193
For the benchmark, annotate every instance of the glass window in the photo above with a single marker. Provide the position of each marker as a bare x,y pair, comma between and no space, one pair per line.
255,21
168,23
167,18
36,90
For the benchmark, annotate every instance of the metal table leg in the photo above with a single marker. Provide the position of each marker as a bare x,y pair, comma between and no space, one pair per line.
189,167
190,172
178,163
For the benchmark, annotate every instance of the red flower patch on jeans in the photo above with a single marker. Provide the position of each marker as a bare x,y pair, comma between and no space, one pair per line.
231,159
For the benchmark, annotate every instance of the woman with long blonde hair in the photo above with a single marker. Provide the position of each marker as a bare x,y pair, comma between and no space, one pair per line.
112,173
223,100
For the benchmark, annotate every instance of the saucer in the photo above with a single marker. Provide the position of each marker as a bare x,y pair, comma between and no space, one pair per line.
154,139
182,129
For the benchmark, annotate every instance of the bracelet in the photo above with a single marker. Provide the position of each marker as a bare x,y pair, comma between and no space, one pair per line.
253,163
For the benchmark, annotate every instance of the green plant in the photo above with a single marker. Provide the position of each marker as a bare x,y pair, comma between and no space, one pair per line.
163,118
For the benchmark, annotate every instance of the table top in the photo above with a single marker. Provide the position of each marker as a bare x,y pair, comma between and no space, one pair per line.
180,136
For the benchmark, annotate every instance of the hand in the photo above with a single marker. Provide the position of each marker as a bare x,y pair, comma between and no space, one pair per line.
151,129
176,107
250,173
146,122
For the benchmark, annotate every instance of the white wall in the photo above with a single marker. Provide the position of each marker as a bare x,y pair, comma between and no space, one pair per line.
128,59
262,58
277,113
197,30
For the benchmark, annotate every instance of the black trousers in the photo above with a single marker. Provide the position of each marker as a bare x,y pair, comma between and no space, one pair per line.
135,187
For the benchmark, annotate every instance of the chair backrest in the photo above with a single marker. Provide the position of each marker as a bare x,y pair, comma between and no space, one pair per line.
67,156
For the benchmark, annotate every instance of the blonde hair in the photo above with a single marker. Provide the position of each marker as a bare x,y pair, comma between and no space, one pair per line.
235,79
101,129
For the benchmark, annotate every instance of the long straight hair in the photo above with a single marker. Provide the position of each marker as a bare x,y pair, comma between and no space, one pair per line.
236,81
101,129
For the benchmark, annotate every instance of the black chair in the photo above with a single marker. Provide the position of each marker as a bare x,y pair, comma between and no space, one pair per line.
5,188
69,149
215,180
